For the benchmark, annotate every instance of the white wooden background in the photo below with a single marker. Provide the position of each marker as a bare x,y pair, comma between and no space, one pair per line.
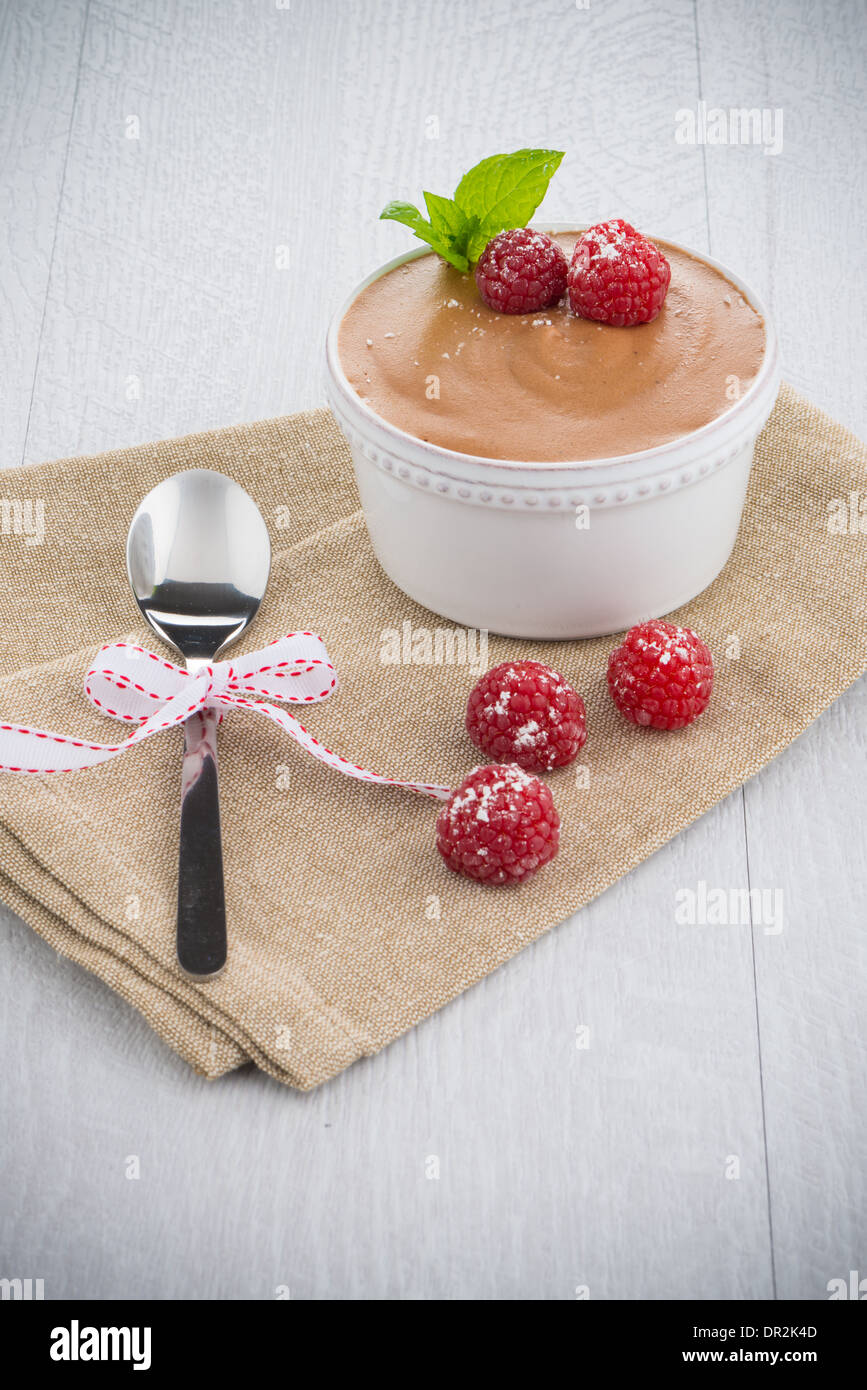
140,298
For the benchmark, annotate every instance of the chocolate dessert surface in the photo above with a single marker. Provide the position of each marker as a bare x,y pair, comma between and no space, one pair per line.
424,351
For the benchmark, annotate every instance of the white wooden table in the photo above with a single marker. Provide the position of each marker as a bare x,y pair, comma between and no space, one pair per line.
155,156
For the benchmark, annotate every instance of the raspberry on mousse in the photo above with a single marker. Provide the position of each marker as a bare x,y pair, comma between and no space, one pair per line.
617,275
527,713
521,271
500,826
661,676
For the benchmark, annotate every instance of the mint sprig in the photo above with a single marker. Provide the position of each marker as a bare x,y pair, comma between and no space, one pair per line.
499,193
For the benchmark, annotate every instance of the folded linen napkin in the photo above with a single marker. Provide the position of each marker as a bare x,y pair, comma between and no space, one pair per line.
345,929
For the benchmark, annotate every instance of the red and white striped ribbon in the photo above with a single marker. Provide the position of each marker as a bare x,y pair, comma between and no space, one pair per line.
132,684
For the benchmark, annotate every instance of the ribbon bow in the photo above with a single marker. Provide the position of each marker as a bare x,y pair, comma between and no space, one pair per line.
130,683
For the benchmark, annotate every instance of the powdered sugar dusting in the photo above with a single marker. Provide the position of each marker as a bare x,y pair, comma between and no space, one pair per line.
509,788
530,735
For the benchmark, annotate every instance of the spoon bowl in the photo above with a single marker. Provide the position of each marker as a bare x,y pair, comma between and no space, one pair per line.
198,558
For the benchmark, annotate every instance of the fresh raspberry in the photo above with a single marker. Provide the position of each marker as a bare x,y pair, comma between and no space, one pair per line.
617,275
521,271
527,713
661,675
500,826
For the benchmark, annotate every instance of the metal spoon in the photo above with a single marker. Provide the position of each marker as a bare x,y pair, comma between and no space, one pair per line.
198,558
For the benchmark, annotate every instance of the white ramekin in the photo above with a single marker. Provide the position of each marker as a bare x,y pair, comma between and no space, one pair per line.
502,546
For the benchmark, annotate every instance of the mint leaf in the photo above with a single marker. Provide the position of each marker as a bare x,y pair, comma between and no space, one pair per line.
500,192
446,218
410,216
504,191
406,213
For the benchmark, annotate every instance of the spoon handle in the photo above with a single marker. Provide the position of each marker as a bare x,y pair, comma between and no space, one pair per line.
201,899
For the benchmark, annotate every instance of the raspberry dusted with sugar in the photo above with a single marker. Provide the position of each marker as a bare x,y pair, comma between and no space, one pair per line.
617,276
661,675
500,826
521,271
525,712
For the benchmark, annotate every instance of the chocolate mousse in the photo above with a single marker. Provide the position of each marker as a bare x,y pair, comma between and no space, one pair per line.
423,350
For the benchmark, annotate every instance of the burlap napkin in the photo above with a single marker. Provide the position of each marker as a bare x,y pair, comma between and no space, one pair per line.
345,928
